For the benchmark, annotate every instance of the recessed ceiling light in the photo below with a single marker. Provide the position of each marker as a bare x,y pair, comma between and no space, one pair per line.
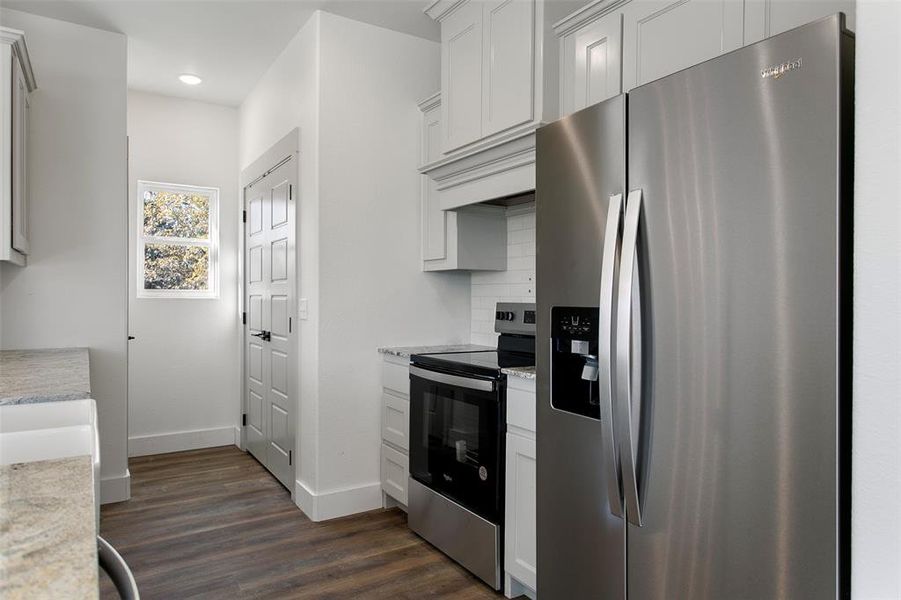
189,79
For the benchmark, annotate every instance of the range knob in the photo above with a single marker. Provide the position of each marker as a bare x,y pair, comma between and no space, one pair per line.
499,316
509,316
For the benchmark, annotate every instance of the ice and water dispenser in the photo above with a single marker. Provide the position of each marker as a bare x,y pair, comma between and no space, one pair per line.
574,360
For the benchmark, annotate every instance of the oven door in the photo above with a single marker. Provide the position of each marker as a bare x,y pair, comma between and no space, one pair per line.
457,426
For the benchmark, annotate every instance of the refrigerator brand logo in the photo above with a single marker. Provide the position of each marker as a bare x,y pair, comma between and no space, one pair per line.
778,71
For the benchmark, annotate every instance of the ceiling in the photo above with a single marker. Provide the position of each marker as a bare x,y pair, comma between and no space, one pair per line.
229,43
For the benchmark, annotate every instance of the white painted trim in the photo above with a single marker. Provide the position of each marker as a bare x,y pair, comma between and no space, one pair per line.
178,441
588,13
16,39
116,488
212,243
337,503
239,437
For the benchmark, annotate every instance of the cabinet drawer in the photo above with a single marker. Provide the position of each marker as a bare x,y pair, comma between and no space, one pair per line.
395,472
396,421
396,377
521,408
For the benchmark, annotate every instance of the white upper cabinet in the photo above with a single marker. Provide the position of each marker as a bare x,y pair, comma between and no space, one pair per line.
16,83
472,238
461,75
434,220
764,18
508,64
21,110
611,46
499,82
661,37
487,69
591,50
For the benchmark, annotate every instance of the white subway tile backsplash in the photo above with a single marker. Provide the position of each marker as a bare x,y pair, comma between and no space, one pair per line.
516,284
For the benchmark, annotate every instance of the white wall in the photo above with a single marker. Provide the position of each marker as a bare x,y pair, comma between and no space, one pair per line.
516,284
372,290
352,89
287,96
184,365
876,468
72,293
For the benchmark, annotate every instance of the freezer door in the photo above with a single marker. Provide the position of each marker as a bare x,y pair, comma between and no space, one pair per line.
741,260
581,540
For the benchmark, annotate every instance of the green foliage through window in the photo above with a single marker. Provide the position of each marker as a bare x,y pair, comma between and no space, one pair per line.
176,214
176,234
172,267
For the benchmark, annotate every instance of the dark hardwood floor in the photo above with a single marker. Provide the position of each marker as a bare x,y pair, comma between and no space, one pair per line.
214,524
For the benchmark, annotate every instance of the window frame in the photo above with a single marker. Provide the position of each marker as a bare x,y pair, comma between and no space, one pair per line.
212,243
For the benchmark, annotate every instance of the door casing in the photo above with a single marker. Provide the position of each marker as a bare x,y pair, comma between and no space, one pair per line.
284,153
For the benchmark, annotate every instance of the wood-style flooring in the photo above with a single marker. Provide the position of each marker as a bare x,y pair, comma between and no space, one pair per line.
214,524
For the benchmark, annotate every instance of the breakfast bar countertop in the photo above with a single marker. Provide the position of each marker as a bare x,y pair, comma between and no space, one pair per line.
49,375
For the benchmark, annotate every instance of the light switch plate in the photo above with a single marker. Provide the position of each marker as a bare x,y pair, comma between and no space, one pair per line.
303,309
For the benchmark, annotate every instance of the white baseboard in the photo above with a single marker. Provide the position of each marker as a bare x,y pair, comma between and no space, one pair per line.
116,488
177,441
337,503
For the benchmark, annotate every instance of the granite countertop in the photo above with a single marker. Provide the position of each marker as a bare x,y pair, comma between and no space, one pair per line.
44,375
48,541
407,351
523,372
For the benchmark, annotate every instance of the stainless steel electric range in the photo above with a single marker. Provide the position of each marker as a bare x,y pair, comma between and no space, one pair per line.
458,408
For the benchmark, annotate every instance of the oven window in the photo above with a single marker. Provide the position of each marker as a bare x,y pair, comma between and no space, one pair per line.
456,444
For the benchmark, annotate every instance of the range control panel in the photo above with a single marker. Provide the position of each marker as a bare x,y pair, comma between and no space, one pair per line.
515,317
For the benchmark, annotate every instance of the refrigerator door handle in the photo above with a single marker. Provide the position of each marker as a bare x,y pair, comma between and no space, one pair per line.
627,332
606,350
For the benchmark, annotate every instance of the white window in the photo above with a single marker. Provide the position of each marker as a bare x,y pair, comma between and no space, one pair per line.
178,241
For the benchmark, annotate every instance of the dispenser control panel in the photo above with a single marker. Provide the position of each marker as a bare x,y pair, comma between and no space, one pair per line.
574,360
575,322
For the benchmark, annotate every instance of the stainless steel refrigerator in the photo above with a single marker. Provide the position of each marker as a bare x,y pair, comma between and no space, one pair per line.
694,325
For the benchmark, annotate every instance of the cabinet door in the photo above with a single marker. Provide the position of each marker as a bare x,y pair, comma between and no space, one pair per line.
508,64
461,74
764,18
661,37
19,160
592,68
395,473
520,537
434,220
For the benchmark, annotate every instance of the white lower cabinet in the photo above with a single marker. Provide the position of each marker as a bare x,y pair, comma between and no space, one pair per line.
395,472
520,546
520,528
395,461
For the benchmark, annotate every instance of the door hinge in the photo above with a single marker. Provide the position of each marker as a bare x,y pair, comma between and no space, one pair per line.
290,191
289,324
244,420
244,318
243,216
290,457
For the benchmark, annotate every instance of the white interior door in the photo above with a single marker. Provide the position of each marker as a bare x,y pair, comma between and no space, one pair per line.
269,331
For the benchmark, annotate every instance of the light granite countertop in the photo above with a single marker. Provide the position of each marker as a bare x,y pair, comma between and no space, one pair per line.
50,375
522,372
48,541
407,351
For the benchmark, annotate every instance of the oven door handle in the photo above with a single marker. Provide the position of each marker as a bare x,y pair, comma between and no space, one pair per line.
481,385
